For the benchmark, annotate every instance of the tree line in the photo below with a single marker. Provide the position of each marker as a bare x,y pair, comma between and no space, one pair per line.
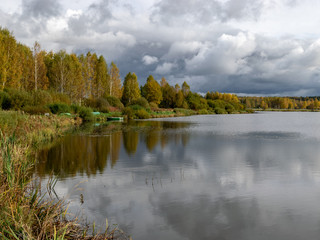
87,80
311,103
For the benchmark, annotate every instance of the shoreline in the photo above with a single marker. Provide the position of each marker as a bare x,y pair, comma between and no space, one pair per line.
25,213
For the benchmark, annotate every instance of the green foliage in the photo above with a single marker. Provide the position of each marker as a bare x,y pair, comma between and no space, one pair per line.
34,110
57,108
129,112
169,96
185,89
19,99
135,107
86,114
229,108
90,102
102,78
184,112
5,101
196,101
152,90
203,111
153,106
114,102
60,98
102,105
216,104
142,102
219,110
131,90
142,114
41,97
75,108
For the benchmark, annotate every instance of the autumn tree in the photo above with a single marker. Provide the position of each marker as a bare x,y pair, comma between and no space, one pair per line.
163,82
131,91
41,80
185,89
168,96
264,105
88,72
115,81
59,71
76,85
152,90
102,78
26,65
9,70
180,100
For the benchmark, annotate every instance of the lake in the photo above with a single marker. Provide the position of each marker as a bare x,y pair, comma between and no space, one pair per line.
247,176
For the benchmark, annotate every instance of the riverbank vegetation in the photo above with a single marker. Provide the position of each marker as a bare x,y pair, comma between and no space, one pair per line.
39,82
25,212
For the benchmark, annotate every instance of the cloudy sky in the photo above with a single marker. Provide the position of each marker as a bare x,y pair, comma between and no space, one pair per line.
250,47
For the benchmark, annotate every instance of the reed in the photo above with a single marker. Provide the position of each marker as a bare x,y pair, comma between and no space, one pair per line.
25,212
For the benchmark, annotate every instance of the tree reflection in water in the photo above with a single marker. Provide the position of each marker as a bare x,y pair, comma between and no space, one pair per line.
88,152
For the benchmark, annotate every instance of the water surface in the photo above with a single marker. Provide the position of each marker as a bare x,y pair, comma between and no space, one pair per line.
244,177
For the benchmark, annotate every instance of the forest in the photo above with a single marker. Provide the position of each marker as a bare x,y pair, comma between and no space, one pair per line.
281,103
37,82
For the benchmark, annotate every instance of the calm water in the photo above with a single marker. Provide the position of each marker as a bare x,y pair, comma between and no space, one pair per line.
244,177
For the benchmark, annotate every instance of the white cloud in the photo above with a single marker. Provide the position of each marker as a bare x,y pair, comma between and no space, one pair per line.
164,68
251,46
148,60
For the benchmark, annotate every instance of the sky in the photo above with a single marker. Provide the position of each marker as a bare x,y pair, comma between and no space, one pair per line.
247,47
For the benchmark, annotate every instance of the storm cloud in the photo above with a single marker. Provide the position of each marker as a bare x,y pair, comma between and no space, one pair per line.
256,47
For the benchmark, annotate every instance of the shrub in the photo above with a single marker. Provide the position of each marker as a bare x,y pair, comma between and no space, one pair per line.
36,109
136,107
75,108
142,102
41,97
19,99
142,114
60,98
154,106
229,108
59,108
218,110
5,101
129,112
216,104
102,105
185,105
89,102
115,102
203,111
86,114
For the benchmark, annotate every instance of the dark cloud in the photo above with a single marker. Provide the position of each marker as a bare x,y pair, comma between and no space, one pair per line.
100,12
206,11
41,8
183,40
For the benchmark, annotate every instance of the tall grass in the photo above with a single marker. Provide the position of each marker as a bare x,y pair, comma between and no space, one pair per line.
25,212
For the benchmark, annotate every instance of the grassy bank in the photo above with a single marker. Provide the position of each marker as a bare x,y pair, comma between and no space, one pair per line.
24,212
